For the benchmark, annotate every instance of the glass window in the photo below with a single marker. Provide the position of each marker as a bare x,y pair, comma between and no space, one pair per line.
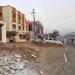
50,38
19,27
46,38
21,37
0,14
30,27
14,27
54,39
24,36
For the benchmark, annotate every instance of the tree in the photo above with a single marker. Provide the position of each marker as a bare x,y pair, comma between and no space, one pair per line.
55,33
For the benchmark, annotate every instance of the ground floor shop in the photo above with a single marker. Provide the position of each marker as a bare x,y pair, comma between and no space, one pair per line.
8,36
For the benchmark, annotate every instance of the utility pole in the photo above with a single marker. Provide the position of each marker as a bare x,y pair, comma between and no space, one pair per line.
33,13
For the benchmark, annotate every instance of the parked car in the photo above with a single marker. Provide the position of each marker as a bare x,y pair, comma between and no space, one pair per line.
52,40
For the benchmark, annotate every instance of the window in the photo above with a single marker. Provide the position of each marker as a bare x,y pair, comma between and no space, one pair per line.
25,19
14,27
14,16
30,27
24,36
1,18
23,27
23,23
54,39
19,19
46,35
21,37
19,27
0,14
46,38
50,38
27,27
0,32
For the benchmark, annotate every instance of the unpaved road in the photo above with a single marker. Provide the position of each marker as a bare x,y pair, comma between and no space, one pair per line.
50,60
58,61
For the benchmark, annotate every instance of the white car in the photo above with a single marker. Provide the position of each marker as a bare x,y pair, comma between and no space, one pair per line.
52,40
38,40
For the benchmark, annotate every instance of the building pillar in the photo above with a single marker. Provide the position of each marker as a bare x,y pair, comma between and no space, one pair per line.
4,33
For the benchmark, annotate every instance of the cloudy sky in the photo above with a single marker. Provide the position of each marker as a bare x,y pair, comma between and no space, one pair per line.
53,14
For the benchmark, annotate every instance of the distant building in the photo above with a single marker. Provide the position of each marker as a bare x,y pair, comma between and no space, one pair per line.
35,30
70,37
30,29
38,30
12,20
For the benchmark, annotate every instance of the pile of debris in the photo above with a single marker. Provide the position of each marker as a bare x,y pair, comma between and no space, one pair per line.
13,64
30,54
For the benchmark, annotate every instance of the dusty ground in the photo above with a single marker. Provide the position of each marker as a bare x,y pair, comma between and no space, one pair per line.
49,59
58,61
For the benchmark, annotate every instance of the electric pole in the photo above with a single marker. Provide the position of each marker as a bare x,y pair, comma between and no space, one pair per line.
33,13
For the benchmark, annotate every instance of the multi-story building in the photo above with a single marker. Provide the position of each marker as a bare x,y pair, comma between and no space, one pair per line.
12,20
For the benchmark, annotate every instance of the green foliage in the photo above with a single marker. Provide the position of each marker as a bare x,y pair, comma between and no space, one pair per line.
55,34
11,33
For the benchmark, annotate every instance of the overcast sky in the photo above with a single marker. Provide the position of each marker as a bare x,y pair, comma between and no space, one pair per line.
53,14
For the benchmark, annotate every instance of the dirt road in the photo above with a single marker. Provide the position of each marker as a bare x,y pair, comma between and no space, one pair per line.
58,61
50,60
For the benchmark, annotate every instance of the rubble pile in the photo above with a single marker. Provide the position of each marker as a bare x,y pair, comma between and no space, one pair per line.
13,64
27,53
15,59
10,63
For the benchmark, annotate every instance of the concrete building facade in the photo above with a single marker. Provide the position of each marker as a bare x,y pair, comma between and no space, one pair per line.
12,20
